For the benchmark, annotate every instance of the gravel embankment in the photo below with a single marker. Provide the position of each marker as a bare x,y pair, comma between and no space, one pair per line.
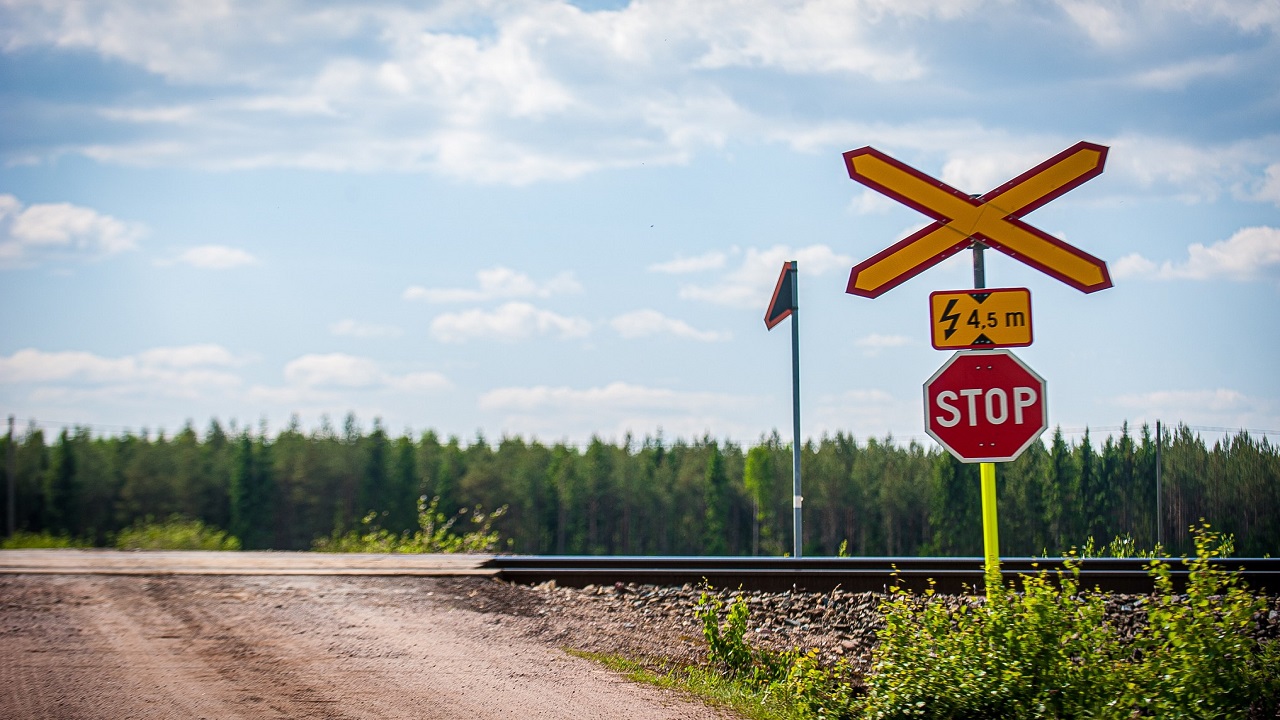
660,622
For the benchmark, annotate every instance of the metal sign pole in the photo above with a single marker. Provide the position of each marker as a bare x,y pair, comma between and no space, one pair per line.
797,499
786,301
8,467
1159,516
987,471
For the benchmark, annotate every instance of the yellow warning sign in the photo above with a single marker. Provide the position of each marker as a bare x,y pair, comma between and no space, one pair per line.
986,318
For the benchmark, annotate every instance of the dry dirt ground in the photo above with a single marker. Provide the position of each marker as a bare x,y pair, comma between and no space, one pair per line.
235,646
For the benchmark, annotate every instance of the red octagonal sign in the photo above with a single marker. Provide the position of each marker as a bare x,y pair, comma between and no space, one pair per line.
985,406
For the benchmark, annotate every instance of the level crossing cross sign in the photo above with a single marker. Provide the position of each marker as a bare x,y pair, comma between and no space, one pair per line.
985,406
992,219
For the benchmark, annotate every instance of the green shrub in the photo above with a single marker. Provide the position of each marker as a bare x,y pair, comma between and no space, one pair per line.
795,678
726,647
1197,658
1048,652
23,540
435,534
1043,652
176,533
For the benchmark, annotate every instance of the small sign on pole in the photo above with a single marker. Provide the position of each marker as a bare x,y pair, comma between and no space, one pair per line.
980,319
994,219
785,302
985,406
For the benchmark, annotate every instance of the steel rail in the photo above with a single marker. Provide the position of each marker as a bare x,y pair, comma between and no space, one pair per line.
860,574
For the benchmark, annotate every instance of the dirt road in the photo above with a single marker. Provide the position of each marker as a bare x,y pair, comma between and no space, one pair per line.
195,646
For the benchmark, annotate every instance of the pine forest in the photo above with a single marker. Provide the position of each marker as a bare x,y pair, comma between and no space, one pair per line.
870,497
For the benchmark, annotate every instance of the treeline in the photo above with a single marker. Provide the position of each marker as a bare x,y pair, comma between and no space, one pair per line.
649,496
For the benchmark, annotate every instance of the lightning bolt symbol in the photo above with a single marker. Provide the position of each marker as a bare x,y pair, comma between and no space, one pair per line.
953,317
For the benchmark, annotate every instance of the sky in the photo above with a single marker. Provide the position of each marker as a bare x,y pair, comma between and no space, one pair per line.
559,220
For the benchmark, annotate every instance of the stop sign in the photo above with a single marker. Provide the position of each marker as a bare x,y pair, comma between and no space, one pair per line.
985,406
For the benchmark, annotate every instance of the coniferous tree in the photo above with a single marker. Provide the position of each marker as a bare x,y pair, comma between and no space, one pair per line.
402,501
760,480
704,496
716,520
253,494
374,483
61,490
1093,505
1060,493
955,517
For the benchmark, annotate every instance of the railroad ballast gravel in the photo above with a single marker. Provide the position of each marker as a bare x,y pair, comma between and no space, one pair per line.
662,621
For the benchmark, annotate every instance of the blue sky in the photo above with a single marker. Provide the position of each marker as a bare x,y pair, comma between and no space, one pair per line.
556,219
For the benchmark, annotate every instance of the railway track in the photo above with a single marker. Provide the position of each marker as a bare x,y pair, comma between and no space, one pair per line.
949,575
772,574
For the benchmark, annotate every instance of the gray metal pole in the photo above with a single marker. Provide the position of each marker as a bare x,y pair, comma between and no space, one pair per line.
1159,513
979,266
797,499
9,473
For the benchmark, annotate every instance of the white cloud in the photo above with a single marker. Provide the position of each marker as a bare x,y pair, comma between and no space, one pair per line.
337,382
1246,14
1190,172
47,231
1132,265
1099,21
681,265
497,284
1269,191
644,323
214,257
1218,407
202,376
866,413
1249,254
514,93
977,171
614,395
870,202
352,328
31,365
750,284
1113,25
508,323
977,159
559,411
490,92
333,370
190,356
181,372
1187,401
873,344
1178,75
418,382
812,37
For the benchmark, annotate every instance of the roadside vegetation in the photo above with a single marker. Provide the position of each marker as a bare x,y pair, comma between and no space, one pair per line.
175,533
1044,650
650,496
25,540
435,533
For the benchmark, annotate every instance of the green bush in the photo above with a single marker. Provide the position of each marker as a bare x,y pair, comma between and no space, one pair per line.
435,534
23,540
796,678
1048,652
1044,650
176,533
1197,657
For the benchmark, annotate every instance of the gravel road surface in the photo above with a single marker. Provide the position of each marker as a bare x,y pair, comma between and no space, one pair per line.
223,646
